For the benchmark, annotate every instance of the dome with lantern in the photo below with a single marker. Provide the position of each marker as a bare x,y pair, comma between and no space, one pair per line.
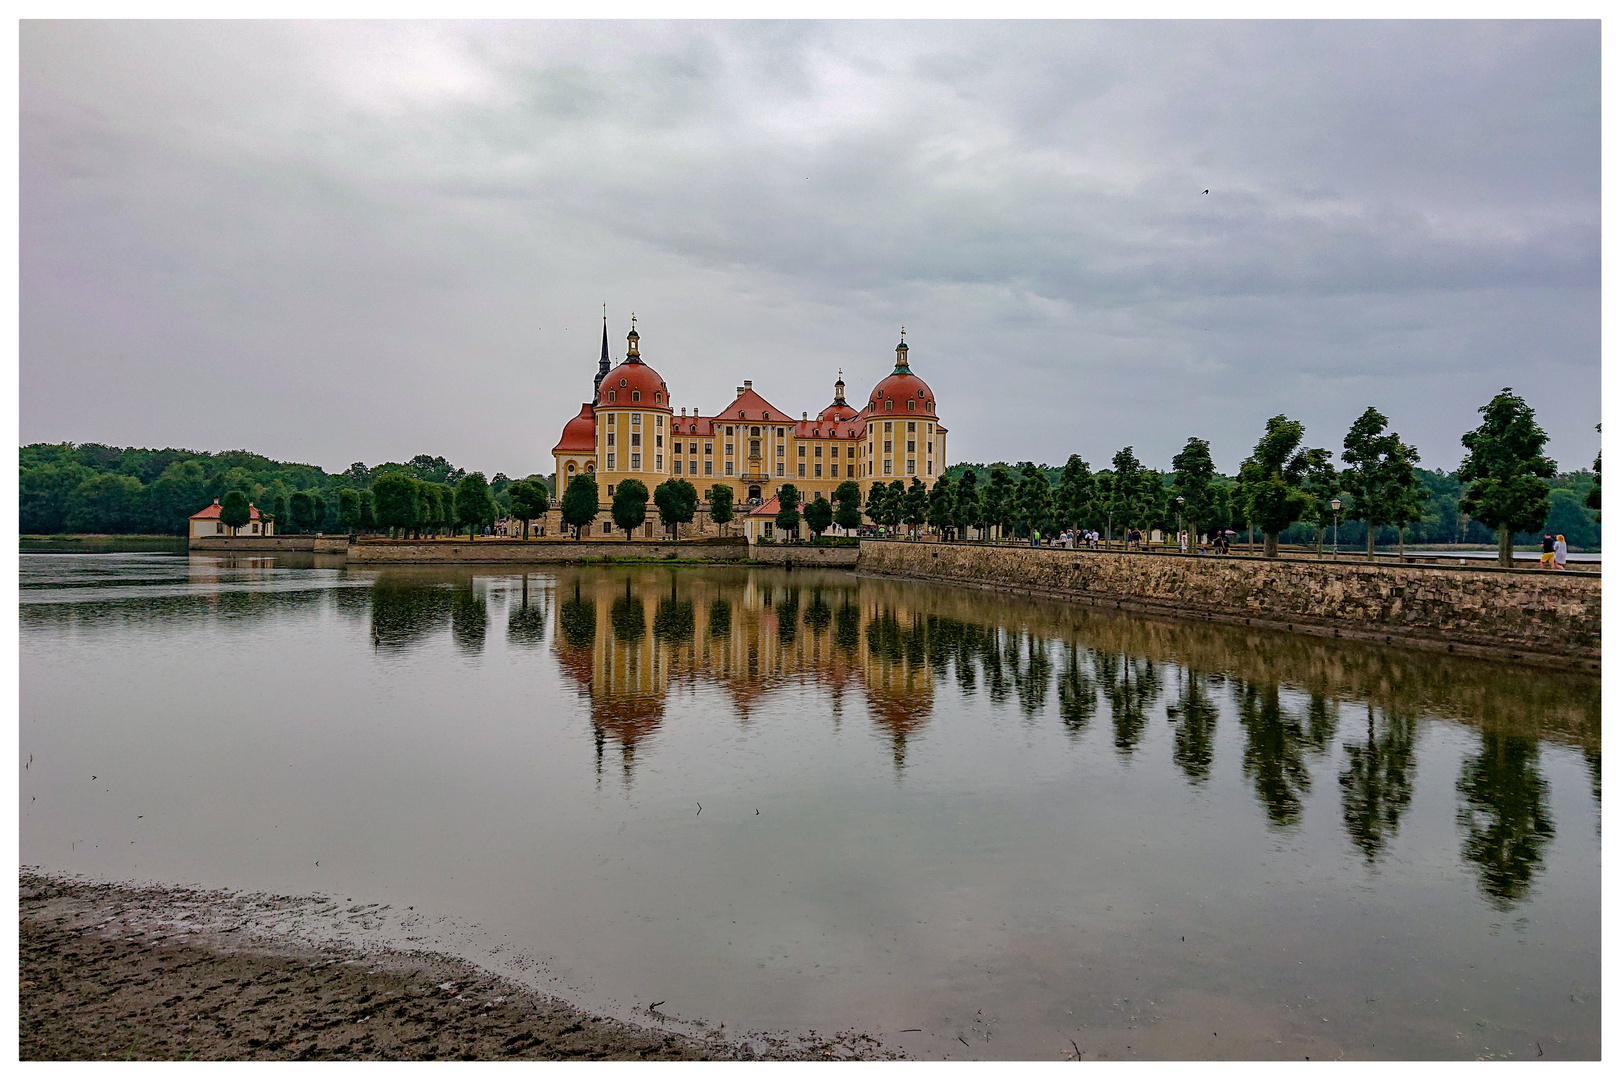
901,385
633,381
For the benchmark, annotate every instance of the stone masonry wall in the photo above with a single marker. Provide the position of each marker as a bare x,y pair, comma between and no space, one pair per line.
1530,615
804,555
492,550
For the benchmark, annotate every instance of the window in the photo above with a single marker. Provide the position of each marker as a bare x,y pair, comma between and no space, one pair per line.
613,418
835,469
658,463
660,423
911,466
610,491
780,449
888,425
768,530
888,406
781,469
635,462
911,404
635,438
778,433
754,431
708,468
818,449
753,446
220,527
255,527
708,449
677,466
888,446
624,382
886,468
570,468
692,449
613,395
658,441
635,395
930,467
911,425
801,449
607,527
801,468
635,419
911,446
930,429
658,399
930,446
818,470
610,462
590,466
728,468
728,449
610,438
729,432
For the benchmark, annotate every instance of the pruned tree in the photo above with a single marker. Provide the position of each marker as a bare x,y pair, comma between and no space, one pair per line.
234,509
847,509
817,516
722,505
531,499
1506,471
1194,486
629,505
580,503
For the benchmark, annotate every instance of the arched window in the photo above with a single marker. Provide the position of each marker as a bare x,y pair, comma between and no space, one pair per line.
658,399
635,395
613,395
570,468
754,432
911,406
888,406
590,466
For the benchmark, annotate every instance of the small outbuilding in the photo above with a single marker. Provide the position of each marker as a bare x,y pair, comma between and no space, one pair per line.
205,522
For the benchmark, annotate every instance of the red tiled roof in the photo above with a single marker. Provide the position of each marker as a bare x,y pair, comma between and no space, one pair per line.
630,376
209,513
753,408
769,508
579,434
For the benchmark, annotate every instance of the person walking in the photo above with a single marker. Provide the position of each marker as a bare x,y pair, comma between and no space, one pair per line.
1560,552
1546,551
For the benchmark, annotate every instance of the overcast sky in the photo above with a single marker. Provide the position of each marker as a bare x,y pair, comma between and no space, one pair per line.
338,242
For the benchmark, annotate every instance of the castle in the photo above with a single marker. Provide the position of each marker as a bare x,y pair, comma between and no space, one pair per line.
631,430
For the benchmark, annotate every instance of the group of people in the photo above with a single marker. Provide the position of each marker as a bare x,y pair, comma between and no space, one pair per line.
1554,551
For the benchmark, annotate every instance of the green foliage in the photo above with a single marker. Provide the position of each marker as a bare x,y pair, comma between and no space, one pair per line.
847,514
722,504
1034,499
998,498
1381,479
302,509
877,504
349,510
395,498
1273,479
914,507
817,516
1506,471
677,503
942,504
1195,485
233,508
580,502
629,505
787,514
530,499
1076,490
969,509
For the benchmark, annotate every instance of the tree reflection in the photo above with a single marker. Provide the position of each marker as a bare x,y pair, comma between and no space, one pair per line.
674,620
405,612
720,618
1035,678
787,616
526,623
629,618
847,627
1274,752
1132,685
1077,693
817,615
1195,715
577,620
1503,812
1377,783
469,620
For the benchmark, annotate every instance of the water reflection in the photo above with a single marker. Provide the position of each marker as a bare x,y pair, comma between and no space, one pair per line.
1377,782
903,651
1503,814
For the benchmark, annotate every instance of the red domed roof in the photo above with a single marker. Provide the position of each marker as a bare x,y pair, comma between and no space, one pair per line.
618,386
837,411
579,434
902,385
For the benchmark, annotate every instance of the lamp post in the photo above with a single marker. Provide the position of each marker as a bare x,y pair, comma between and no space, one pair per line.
1335,504
1181,504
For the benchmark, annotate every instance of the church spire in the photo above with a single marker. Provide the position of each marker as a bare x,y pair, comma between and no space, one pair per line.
602,368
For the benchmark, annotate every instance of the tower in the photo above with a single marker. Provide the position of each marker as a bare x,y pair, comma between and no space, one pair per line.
602,368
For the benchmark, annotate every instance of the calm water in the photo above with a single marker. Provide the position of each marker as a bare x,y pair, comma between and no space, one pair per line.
1007,823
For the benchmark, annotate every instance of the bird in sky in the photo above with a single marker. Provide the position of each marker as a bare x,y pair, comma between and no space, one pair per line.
1206,191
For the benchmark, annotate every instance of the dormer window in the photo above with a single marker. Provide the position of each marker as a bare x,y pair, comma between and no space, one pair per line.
624,382
635,395
613,395
658,399
767,416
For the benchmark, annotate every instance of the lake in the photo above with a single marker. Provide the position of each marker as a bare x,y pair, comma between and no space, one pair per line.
974,825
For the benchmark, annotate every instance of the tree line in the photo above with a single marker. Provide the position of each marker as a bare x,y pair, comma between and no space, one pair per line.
1506,489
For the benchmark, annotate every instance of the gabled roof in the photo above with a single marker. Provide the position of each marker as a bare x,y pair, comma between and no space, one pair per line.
691,425
769,508
751,407
209,513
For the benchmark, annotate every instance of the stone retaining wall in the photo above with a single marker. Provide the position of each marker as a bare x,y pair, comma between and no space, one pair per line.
491,550
256,543
804,555
1535,616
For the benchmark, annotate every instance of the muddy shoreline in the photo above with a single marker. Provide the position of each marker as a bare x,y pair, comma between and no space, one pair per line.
151,972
